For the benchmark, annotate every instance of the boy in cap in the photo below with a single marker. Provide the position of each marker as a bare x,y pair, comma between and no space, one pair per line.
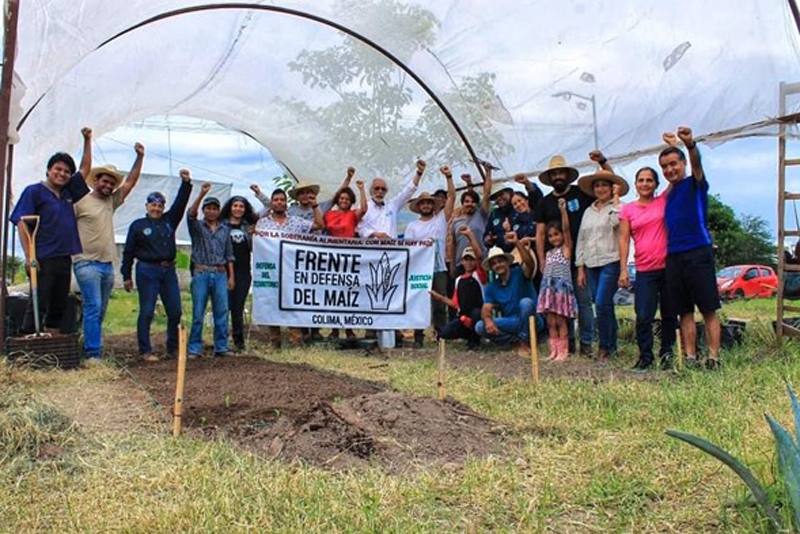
467,296
151,241
57,237
94,268
212,272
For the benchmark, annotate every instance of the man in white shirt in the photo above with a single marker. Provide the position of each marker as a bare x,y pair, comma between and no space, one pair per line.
432,224
380,221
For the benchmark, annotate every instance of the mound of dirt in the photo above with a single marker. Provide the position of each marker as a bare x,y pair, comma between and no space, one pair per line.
300,412
389,428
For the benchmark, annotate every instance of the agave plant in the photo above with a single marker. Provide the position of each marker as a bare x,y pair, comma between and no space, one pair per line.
788,448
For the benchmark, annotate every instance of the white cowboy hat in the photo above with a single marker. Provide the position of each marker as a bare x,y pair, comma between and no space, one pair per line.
496,252
301,186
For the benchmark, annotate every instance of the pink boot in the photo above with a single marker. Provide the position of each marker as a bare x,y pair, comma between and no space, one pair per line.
553,343
562,347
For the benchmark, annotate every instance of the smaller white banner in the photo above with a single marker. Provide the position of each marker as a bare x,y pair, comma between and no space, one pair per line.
314,281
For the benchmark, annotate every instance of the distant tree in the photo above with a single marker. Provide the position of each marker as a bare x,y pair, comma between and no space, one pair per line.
371,99
745,239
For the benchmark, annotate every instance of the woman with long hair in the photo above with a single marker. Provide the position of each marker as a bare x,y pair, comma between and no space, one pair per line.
241,217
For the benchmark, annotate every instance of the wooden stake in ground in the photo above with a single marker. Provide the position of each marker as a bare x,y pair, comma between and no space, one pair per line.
534,351
442,392
679,360
177,420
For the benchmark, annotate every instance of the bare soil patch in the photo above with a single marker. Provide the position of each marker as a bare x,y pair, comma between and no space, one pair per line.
299,412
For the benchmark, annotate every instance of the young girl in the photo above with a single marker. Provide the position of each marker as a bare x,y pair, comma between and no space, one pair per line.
557,296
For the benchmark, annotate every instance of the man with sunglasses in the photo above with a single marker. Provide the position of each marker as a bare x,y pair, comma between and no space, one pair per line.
380,220
151,241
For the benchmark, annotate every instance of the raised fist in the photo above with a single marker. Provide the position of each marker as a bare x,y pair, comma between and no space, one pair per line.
444,169
596,156
351,171
255,189
205,188
467,178
360,184
185,175
139,148
521,178
86,132
670,139
421,166
685,134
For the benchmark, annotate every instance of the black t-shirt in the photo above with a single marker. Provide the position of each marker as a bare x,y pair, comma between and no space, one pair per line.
242,246
577,202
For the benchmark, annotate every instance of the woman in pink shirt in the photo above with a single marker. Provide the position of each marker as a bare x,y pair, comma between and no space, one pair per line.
643,220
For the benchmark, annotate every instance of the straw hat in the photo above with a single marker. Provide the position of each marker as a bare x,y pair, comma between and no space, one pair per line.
586,183
413,204
496,252
303,185
109,170
500,187
558,163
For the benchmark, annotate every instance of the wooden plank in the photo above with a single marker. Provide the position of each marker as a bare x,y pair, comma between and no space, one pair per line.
781,328
790,233
791,331
791,196
792,267
795,309
792,161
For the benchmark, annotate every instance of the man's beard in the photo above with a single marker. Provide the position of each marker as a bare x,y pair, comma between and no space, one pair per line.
560,186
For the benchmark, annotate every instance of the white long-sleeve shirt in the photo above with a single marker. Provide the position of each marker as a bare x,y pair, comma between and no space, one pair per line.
383,217
598,238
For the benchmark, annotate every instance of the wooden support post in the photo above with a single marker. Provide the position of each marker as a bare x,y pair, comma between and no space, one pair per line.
679,359
442,391
177,421
534,350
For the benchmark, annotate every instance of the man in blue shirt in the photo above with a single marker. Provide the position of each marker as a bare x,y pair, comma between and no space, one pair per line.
512,294
691,271
212,272
151,240
57,238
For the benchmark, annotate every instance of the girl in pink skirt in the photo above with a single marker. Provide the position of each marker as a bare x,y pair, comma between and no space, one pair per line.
556,295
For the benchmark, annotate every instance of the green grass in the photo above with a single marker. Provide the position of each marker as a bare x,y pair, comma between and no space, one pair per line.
590,457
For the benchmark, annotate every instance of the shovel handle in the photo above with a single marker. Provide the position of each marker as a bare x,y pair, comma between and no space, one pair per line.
31,220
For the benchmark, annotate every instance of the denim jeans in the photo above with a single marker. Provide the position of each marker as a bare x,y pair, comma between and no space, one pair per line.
602,282
205,286
153,280
586,320
650,292
96,280
237,299
513,329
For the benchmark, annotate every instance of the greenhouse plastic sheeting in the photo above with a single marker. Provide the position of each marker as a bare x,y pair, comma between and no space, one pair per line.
523,79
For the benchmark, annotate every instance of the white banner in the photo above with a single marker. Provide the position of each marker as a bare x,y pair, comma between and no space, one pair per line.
314,281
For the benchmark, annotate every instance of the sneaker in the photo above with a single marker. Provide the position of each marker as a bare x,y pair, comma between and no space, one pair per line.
223,354
666,361
93,361
193,356
712,364
643,364
586,350
150,357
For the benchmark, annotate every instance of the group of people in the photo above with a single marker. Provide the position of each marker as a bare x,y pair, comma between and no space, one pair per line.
557,257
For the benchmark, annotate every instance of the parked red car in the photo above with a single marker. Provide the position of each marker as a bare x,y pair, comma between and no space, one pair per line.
747,281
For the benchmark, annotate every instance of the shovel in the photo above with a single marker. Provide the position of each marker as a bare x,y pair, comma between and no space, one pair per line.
33,220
